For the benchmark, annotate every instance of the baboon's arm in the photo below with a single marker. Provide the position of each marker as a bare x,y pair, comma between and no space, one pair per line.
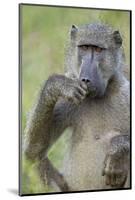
117,161
47,121
50,116
60,120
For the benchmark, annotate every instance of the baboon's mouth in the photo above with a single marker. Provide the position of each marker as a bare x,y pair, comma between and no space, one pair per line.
95,92
92,91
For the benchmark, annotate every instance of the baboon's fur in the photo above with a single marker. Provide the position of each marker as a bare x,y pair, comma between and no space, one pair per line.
100,123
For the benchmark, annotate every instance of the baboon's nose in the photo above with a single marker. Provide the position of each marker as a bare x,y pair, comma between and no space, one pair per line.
91,88
86,80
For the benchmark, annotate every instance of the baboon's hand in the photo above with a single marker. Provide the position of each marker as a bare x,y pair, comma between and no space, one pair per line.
115,169
72,90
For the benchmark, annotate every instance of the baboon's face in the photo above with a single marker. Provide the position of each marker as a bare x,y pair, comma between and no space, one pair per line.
97,47
96,66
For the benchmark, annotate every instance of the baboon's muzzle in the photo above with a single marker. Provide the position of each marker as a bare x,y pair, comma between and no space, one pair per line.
91,75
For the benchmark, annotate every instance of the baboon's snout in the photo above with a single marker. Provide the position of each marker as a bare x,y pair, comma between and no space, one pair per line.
91,75
92,90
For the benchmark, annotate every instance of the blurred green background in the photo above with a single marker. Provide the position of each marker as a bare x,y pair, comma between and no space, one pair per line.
44,32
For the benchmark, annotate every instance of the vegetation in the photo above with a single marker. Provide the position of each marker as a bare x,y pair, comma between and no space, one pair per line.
44,35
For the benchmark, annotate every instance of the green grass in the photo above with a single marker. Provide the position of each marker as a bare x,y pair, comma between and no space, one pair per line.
44,35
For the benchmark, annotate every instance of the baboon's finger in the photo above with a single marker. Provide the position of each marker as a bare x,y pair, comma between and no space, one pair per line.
79,96
83,85
113,180
108,179
82,91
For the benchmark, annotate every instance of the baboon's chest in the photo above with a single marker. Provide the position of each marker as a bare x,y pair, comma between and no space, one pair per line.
99,119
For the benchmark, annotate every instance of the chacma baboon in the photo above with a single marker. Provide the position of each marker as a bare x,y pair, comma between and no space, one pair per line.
92,98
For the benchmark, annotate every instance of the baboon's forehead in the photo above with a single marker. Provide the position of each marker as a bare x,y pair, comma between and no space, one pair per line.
97,27
96,34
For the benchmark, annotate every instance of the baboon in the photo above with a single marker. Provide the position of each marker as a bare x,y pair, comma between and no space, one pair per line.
93,99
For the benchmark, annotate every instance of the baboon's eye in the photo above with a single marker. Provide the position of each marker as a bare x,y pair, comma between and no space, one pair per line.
98,49
84,47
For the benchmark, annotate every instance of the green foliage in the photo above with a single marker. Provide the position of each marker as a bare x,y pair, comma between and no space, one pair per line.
44,33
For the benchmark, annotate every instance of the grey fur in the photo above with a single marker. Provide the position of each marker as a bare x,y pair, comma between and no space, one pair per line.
100,124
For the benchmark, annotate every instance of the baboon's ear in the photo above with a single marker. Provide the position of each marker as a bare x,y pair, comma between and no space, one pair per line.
73,32
117,38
